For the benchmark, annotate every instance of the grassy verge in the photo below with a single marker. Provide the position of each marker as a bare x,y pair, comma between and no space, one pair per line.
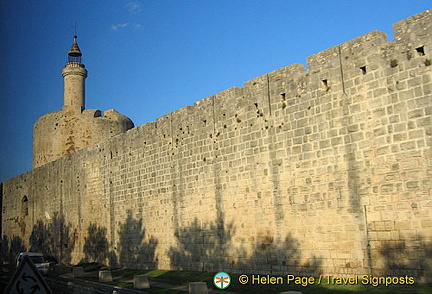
185,277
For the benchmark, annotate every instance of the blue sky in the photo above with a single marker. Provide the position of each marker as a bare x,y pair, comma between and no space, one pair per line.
147,58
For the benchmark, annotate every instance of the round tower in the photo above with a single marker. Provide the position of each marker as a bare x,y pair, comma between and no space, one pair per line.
74,75
59,133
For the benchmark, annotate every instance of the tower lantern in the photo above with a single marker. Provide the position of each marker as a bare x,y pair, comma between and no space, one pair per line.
74,55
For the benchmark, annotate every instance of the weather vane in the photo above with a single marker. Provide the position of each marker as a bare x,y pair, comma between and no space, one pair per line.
75,27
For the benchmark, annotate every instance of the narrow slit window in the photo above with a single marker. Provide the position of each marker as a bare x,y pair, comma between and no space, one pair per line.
283,100
363,69
325,83
283,96
24,206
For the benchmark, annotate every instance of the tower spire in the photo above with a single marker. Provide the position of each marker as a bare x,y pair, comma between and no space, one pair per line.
74,54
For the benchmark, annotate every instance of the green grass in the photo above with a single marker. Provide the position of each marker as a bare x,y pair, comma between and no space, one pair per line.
185,277
180,277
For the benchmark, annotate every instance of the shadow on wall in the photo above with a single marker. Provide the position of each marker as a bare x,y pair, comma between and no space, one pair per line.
133,249
96,244
411,257
277,255
208,247
10,248
54,238
96,247
201,247
57,240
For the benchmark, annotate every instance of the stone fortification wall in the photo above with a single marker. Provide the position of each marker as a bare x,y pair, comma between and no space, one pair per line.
327,170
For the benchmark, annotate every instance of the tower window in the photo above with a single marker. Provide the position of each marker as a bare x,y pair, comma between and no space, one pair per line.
363,69
325,83
24,206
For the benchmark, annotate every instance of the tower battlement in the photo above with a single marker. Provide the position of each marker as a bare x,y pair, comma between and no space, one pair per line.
74,64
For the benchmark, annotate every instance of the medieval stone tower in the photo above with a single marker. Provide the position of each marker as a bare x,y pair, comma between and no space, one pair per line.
63,132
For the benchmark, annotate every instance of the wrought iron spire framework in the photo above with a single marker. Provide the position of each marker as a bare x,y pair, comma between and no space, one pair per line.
74,54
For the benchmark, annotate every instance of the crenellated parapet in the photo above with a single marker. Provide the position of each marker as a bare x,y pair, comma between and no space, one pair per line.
339,71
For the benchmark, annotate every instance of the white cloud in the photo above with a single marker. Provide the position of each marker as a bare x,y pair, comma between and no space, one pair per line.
133,7
118,26
115,27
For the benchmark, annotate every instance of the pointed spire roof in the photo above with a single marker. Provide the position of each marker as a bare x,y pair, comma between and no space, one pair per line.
75,50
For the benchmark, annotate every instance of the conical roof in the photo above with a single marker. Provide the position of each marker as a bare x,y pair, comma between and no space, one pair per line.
75,50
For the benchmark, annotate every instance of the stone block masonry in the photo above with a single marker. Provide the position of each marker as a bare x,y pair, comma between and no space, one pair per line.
325,171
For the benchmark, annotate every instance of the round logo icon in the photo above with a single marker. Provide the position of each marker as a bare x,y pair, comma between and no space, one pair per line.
221,280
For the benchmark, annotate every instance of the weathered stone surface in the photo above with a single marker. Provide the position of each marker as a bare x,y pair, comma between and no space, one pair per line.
297,172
